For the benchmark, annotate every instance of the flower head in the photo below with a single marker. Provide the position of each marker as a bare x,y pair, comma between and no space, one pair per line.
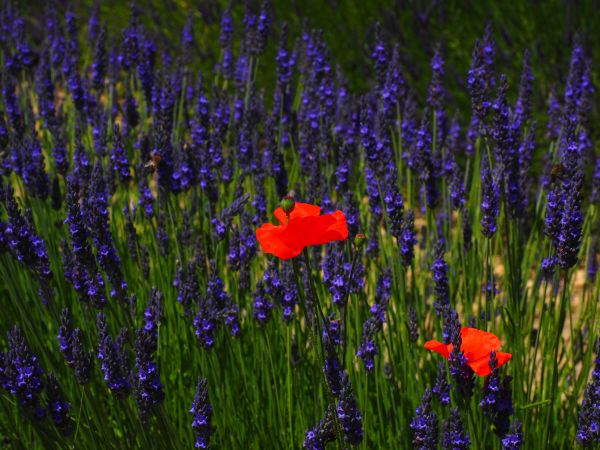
454,435
514,439
477,345
303,227
201,412
425,425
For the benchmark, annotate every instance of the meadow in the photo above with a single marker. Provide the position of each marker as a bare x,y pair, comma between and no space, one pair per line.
238,232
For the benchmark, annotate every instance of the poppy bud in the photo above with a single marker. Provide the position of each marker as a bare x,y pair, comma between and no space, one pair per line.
359,239
288,204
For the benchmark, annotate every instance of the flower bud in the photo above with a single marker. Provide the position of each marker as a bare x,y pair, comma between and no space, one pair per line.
288,204
359,239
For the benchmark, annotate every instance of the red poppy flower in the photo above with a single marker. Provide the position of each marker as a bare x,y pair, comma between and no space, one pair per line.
306,226
476,346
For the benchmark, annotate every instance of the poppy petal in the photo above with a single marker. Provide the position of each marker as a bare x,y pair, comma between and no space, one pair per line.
503,358
481,366
318,230
477,344
300,210
271,240
439,347
306,227
339,230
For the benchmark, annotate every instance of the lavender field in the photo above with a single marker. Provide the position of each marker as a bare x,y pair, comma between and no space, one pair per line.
223,235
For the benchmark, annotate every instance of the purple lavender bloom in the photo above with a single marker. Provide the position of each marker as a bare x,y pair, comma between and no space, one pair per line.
459,369
146,199
505,133
130,45
525,152
442,388
58,407
579,89
226,34
262,27
100,62
94,22
441,288
394,90
336,274
205,325
436,94
380,56
256,30
32,168
23,374
592,263
549,267
83,270
145,67
118,156
186,283
59,153
232,319
367,349
554,212
413,325
5,381
23,242
201,412
97,217
348,414
281,288
497,398
288,295
425,425
490,203
554,115
114,359
65,331
454,436
71,345
131,116
148,389
187,38
11,103
233,255
453,141
480,78
451,323
408,240
332,368
588,427
457,188
262,305
522,109
323,433
595,197
472,135
514,439
425,165
394,208
214,307
152,317
285,64
569,239
332,330
45,88
55,38
24,56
